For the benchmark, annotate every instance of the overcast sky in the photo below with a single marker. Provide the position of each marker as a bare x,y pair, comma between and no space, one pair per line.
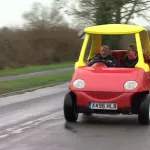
11,12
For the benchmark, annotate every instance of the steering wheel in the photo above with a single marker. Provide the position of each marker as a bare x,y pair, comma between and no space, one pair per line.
108,63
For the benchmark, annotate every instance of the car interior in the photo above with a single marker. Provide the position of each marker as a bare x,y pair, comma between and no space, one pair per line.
118,55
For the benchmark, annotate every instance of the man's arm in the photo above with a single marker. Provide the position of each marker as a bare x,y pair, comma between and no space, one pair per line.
92,61
114,62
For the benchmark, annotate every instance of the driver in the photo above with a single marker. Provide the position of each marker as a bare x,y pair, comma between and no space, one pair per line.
104,56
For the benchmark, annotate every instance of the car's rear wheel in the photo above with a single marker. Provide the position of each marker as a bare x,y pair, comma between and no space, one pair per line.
144,112
70,108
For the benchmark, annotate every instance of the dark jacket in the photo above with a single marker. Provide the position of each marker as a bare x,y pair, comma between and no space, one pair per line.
110,61
127,63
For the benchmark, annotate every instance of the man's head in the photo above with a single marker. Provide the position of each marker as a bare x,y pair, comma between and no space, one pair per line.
104,51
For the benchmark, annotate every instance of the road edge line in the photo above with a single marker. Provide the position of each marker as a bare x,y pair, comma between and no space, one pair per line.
30,89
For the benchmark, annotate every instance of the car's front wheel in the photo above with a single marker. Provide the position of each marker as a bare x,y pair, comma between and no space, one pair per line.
70,110
144,113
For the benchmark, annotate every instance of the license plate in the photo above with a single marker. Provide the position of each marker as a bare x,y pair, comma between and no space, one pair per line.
104,106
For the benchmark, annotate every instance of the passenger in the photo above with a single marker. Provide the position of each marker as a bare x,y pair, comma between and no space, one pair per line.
105,56
131,58
146,57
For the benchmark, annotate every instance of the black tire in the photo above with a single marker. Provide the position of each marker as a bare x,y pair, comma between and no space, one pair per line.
144,113
70,111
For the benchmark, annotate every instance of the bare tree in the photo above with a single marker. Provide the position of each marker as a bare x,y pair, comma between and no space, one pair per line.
80,13
96,12
125,10
41,16
106,11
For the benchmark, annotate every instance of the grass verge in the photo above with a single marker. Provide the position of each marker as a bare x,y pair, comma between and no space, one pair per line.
31,69
21,84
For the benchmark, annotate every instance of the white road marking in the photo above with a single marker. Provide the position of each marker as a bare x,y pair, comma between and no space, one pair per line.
20,128
32,95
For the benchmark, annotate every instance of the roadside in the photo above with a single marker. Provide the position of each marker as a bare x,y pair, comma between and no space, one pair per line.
35,74
22,82
32,83
33,69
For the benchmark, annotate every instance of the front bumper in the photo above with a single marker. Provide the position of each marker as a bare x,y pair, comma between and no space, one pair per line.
123,100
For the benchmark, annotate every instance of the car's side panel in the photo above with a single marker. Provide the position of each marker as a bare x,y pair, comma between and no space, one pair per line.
143,81
148,80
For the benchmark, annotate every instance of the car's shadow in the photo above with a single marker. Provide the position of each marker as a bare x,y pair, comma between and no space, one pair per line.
109,120
105,121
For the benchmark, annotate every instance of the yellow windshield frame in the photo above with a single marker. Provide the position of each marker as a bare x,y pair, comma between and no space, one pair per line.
80,61
141,63
97,33
114,29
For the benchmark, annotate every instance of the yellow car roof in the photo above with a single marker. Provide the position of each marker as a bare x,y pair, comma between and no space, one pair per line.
114,29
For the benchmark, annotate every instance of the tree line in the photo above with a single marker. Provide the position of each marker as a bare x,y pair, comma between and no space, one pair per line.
47,37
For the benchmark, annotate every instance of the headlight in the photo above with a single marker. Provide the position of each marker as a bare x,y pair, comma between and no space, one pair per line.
79,84
130,85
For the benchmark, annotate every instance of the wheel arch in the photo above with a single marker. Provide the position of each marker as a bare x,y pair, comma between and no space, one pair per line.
136,101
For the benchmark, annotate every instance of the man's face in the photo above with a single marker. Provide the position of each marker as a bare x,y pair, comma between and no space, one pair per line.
104,51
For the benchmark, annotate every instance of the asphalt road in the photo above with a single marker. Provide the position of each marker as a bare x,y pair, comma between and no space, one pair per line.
34,121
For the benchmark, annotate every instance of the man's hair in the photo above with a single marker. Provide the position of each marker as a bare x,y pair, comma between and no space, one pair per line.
105,46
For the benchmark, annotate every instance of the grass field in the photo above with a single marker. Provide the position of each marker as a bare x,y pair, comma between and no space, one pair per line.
21,84
31,69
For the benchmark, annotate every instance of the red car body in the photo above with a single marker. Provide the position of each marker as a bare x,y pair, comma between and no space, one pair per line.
106,85
101,89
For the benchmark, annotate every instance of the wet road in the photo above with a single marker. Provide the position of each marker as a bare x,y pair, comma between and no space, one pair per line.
34,121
